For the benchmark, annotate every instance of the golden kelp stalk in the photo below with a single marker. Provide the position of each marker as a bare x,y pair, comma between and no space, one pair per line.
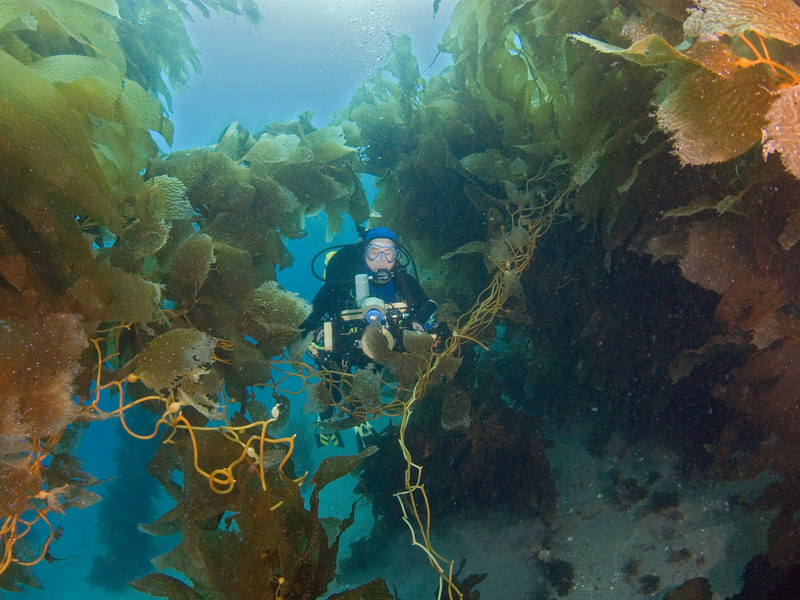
528,223
221,479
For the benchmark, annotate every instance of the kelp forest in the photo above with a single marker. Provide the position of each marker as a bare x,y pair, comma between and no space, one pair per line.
614,187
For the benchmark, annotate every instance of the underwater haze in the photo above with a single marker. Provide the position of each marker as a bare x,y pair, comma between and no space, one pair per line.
600,197
305,55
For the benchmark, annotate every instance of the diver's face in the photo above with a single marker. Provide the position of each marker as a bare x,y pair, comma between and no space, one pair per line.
380,253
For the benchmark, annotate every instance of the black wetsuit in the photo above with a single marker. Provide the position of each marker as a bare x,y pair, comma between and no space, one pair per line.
338,292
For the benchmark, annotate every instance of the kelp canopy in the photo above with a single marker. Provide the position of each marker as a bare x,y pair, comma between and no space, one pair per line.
659,129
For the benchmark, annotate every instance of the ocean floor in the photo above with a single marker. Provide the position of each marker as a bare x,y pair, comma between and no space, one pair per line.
639,538
624,547
627,527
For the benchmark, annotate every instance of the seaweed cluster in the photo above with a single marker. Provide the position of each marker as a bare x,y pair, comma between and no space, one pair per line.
468,468
141,282
126,289
554,95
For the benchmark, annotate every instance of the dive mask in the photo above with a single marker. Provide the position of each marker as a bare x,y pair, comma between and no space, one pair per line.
389,252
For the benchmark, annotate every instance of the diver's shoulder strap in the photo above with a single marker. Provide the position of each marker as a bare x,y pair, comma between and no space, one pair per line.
344,264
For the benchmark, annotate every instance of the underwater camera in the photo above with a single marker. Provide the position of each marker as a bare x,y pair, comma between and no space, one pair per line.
344,339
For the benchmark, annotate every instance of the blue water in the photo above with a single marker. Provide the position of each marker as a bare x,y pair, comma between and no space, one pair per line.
305,55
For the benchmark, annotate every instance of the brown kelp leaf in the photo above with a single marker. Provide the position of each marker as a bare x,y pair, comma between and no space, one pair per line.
713,256
780,135
481,200
97,87
65,468
446,368
455,409
250,366
272,315
377,344
675,9
38,365
164,586
315,191
374,590
199,555
273,304
790,233
44,134
173,356
318,397
334,467
766,388
365,388
779,19
274,149
234,267
712,119
71,496
235,141
166,198
17,484
141,239
773,327
729,204
751,298
688,360
358,207
468,248
327,145
406,367
166,525
133,298
649,51
714,56
417,342
213,180
190,267
697,588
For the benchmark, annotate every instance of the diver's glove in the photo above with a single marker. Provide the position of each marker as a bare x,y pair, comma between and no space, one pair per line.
422,319
317,343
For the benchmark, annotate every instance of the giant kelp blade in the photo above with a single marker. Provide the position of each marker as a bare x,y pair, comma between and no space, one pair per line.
173,355
18,484
13,9
95,86
39,129
334,467
89,26
37,402
649,51
783,123
107,6
13,578
164,586
713,119
374,590
779,19
328,144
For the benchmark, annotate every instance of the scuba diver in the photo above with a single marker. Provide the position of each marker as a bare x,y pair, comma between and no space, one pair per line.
364,283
